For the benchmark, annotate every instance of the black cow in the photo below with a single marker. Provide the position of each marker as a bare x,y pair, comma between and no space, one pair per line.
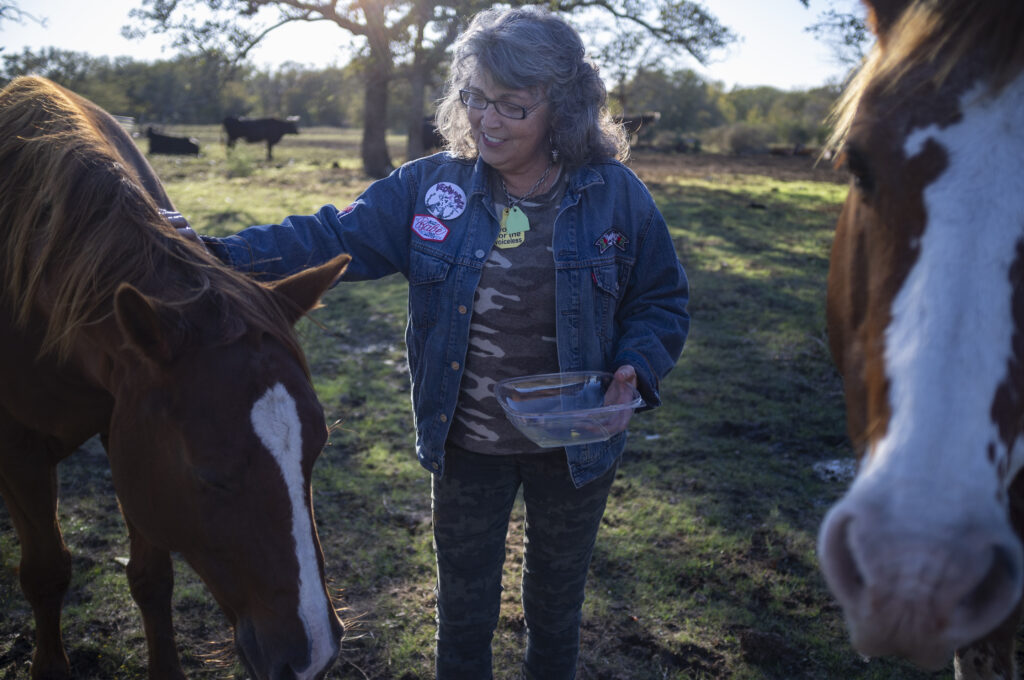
161,143
636,123
432,138
269,130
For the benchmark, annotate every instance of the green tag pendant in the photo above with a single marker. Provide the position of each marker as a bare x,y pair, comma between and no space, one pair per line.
514,220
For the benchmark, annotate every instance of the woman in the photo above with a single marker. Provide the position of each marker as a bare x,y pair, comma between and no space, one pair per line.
528,249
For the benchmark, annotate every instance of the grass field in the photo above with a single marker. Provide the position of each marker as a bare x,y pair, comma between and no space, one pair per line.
705,566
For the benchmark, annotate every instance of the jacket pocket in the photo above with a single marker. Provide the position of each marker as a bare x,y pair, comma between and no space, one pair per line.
610,279
606,278
427,274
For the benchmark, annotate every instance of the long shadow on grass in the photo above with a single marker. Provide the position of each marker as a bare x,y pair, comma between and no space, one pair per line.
373,515
708,593
706,558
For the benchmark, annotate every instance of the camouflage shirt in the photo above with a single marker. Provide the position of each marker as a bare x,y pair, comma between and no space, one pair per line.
512,333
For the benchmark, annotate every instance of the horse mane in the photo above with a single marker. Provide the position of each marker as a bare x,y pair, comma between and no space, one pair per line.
76,223
939,33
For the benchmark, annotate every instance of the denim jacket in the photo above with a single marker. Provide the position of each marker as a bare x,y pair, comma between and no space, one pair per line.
621,293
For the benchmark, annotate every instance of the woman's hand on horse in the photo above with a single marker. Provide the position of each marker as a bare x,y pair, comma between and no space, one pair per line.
181,225
190,234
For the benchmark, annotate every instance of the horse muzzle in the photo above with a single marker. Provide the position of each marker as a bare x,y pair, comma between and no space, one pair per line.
270,655
918,591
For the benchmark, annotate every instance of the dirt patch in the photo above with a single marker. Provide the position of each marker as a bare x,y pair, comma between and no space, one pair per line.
785,168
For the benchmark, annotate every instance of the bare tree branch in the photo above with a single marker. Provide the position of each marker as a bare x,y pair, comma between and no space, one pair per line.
9,11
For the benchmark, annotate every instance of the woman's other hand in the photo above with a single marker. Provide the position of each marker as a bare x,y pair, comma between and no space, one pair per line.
621,391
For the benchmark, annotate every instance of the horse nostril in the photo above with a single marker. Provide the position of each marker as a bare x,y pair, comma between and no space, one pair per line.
1000,583
843,574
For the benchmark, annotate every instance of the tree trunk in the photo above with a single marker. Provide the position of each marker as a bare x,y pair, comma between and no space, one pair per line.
374,147
417,93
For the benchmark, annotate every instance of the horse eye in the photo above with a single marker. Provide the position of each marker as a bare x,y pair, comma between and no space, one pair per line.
858,166
213,480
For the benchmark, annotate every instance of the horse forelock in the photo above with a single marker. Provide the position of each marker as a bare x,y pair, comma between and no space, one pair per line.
938,35
75,223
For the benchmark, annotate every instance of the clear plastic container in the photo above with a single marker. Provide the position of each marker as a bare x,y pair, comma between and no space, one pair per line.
564,409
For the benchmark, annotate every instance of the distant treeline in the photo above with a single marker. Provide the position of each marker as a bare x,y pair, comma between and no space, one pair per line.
202,90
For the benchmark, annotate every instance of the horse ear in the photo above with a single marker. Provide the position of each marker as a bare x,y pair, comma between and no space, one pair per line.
140,324
882,14
304,289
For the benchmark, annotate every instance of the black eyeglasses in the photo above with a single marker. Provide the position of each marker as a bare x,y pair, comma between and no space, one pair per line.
475,100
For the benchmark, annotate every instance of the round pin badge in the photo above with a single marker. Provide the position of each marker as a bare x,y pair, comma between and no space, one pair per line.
445,200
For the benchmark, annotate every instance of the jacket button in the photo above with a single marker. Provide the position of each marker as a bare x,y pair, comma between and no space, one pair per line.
455,365
480,253
462,309
435,465
444,418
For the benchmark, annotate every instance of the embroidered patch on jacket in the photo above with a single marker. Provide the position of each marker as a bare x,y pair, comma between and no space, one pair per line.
612,237
445,200
429,228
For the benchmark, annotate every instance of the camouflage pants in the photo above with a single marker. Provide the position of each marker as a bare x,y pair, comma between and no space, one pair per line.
471,508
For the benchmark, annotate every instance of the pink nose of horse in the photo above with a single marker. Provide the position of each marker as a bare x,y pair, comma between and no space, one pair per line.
918,592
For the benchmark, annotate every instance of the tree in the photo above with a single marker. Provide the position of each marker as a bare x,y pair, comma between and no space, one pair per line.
681,24
73,70
182,90
623,59
645,36
400,38
845,32
388,29
640,29
318,97
687,103
9,11
434,28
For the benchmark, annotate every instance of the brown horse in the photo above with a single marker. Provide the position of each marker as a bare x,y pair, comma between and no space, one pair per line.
926,323
111,323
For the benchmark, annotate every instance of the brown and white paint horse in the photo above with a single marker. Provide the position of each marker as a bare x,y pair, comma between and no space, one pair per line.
926,323
112,323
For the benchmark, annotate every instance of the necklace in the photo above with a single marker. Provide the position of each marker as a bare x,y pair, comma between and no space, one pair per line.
513,219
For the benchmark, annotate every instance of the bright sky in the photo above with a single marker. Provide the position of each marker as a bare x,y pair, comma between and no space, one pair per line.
774,48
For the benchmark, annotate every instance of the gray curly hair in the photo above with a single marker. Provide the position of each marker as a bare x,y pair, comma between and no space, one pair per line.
532,48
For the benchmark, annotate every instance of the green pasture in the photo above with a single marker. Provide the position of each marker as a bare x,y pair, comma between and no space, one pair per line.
705,566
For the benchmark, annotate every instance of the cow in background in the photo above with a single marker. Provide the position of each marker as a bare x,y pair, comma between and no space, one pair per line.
432,138
161,143
635,123
269,130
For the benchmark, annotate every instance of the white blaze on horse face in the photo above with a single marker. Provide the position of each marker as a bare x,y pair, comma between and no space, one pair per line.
275,419
948,345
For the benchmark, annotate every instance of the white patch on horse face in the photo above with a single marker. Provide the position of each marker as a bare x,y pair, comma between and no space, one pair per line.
949,342
275,419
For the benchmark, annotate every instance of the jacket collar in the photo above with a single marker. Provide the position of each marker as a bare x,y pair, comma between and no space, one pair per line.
584,178
580,179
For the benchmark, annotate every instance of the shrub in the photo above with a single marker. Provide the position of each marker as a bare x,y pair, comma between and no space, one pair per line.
746,138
